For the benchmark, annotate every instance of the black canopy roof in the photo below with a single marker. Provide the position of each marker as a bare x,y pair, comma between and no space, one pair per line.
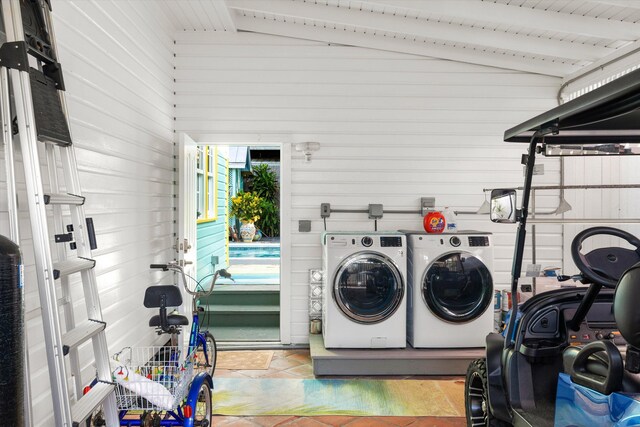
610,113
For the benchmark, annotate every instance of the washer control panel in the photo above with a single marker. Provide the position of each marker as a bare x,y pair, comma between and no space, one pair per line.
390,242
478,240
367,241
455,241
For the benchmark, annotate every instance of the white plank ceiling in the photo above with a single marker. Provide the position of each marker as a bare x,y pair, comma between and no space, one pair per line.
552,37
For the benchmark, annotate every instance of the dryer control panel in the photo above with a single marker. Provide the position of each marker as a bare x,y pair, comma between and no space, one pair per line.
478,240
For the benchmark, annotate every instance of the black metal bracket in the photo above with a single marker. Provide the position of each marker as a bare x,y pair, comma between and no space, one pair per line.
54,72
14,55
73,246
552,129
62,238
518,214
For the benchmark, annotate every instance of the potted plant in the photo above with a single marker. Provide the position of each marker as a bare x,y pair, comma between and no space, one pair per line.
246,207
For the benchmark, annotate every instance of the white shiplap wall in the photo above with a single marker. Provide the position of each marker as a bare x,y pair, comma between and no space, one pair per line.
118,64
616,204
392,128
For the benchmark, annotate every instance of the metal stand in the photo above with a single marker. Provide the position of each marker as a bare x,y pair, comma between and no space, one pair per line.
40,109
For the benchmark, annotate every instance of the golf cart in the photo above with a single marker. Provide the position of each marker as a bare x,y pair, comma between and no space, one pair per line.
571,356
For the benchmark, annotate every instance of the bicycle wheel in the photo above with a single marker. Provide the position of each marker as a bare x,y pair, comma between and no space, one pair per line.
207,364
202,412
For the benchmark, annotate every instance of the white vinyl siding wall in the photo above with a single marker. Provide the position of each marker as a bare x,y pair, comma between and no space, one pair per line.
616,204
601,203
392,128
117,61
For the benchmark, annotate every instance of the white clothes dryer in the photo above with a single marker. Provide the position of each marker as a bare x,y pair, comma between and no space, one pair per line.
364,290
450,289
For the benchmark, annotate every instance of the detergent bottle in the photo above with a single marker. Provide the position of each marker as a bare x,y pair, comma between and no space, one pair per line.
450,220
434,222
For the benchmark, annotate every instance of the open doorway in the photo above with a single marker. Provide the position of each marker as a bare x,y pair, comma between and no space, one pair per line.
238,228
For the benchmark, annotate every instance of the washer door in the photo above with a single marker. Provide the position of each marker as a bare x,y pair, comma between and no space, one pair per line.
457,287
368,287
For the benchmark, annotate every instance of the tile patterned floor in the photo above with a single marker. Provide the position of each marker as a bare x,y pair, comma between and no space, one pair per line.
297,364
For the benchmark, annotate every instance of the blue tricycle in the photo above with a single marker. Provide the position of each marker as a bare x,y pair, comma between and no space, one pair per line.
167,385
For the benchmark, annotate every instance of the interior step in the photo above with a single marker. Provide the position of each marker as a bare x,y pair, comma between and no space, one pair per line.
243,295
70,266
87,403
245,333
81,333
241,308
249,279
402,361
243,319
233,288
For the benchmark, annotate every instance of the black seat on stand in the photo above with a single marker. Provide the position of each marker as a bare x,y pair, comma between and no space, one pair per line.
161,297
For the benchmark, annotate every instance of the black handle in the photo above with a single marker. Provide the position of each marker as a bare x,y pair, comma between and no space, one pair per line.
91,231
163,267
224,273
606,384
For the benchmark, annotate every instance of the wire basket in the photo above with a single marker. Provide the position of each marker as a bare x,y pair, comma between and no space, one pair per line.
152,378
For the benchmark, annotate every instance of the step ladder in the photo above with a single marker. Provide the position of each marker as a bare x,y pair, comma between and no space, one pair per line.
31,76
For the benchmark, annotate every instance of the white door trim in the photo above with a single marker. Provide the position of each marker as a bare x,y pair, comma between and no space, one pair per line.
284,143
186,238
285,243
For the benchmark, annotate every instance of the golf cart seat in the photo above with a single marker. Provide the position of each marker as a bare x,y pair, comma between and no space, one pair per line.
162,297
599,364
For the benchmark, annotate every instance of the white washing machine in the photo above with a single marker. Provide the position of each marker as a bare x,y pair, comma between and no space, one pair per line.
450,289
364,290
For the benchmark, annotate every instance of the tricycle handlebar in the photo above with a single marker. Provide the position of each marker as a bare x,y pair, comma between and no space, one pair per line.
174,266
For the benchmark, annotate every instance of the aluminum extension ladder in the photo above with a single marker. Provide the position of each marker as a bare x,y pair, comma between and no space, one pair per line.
31,76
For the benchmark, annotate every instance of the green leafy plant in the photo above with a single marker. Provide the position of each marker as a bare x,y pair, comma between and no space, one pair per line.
264,182
246,206
269,221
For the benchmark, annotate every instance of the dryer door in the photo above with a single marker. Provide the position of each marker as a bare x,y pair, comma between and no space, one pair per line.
368,287
457,287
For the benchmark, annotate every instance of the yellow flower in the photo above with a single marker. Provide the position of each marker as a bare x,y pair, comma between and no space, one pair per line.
246,206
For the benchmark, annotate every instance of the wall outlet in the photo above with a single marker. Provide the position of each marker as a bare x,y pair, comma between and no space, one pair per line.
304,226
325,210
214,260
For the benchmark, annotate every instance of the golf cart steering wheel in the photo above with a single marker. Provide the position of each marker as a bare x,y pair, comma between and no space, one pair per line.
605,266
